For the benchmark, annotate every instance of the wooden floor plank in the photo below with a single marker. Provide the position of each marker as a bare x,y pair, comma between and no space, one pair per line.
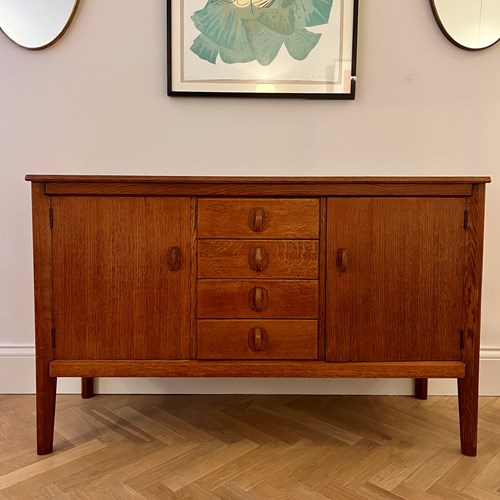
481,493
174,457
467,469
249,447
196,467
250,464
399,470
50,463
431,470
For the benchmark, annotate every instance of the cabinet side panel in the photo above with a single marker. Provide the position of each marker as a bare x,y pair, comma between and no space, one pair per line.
473,274
399,295
42,266
115,296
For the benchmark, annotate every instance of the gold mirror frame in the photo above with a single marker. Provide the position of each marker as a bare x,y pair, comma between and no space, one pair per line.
18,23
460,41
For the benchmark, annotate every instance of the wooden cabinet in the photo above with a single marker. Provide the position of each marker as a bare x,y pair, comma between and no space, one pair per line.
257,277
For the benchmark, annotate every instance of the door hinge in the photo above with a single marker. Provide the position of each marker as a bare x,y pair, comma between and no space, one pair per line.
461,339
51,217
53,336
466,218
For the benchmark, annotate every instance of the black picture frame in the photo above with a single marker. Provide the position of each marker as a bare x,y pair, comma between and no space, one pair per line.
330,75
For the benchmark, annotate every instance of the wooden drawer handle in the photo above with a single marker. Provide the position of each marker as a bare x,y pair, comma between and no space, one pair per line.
257,339
258,219
342,255
174,258
258,259
258,298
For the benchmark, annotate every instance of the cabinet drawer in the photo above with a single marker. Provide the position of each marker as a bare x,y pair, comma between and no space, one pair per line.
257,339
257,299
263,259
258,218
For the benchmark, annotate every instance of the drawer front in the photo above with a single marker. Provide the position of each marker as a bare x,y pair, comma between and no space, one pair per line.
258,259
258,218
257,299
257,339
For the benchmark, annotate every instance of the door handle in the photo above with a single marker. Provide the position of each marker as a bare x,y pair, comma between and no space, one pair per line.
342,258
174,258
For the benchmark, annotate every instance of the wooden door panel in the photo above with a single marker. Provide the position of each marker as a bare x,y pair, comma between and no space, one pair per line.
114,294
395,278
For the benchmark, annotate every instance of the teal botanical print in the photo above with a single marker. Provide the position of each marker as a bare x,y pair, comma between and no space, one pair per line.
240,31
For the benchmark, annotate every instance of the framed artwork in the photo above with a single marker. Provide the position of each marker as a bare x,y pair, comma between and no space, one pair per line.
262,48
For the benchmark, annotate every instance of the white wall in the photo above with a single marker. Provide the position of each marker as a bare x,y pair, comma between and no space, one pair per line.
95,103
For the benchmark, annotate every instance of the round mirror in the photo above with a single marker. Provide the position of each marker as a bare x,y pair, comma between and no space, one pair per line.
469,24
36,24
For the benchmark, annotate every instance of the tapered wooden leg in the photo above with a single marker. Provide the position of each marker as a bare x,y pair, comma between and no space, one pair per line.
44,324
468,391
421,388
87,387
45,412
468,387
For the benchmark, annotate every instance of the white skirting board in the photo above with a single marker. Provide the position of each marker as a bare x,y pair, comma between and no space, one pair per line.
17,376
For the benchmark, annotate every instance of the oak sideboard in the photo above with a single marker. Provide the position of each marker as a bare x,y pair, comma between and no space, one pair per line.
257,277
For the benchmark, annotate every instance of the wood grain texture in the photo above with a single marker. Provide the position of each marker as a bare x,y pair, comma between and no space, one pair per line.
233,299
114,295
192,279
94,462
287,447
468,387
387,270
404,279
151,179
42,267
248,190
284,339
230,259
242,368
286,218
322,279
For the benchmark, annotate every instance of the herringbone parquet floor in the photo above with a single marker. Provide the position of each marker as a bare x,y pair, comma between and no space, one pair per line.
249,447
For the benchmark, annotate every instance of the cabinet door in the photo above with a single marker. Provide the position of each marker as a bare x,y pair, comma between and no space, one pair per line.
117,291
395,278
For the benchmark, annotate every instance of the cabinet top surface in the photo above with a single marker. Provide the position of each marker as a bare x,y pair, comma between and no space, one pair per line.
253,180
